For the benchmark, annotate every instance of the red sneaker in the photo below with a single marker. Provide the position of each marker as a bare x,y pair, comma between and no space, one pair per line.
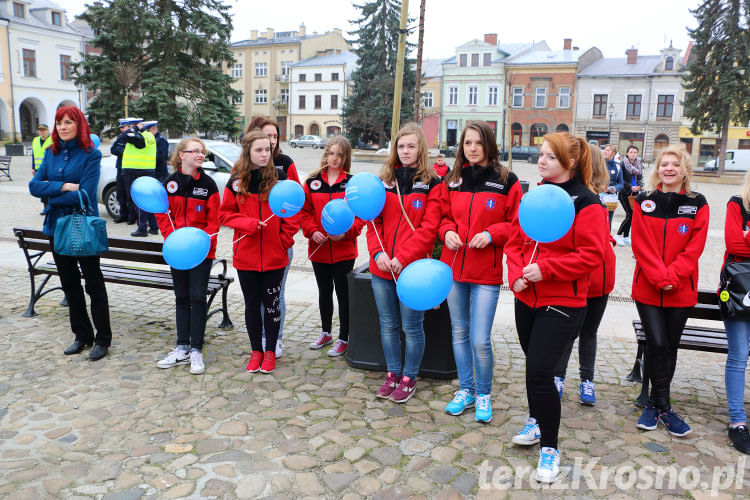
404,391
338,348
324,339
255,359
269,362
391,382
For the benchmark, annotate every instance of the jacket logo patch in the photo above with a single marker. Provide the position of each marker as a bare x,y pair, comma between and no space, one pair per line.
648,206
315,184
417,204
200,191
172,186
456,184
236,186
494,185
687,209
490,204
199,208
420,185
683,229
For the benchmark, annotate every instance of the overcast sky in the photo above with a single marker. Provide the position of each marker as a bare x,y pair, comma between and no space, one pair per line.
612,26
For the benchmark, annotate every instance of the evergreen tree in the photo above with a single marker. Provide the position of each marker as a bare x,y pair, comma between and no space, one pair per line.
718,80
180,47
367,111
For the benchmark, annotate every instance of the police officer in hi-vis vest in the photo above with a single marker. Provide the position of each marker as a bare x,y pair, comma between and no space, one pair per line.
127,133
138,160
162,150
38,145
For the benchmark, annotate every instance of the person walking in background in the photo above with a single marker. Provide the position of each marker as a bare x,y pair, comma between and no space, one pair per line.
480,201
670,226
193,202
632,176
332,256
615,181
39,145
72,166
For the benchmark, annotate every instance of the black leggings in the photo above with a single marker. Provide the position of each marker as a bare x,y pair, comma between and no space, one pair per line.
625,202
595,307
663,328
191,307
328,276
262,288
544,333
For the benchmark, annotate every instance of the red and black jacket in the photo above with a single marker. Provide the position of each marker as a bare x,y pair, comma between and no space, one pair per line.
317,193
264,248
567,263
479,201
603,277
738,219
422,203
285,164
193,202
441,170
668,234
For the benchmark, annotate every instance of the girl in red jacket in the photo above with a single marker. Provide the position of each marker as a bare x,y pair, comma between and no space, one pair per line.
193,202
670,225
601,284
261,244
480,200
551,288
407,228
332,256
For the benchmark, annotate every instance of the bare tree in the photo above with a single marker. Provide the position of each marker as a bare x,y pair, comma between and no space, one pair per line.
127,75
420,43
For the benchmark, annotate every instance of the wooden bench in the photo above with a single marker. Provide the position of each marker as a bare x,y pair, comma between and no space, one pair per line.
694,338
35,244
5,166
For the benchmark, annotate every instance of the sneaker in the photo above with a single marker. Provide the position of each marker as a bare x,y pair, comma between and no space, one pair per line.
620,240
627,240
178,356
648,419
196,363
548,467
404,391
529,434
483,412
674,423
559,384
279,350
588,395
269,362
324,339
740,438
338,348
256,358
461,400
391,381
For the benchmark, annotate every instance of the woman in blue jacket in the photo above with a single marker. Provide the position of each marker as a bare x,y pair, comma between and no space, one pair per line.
615,181
71,165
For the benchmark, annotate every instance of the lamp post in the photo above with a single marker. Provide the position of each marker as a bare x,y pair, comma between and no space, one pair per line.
611,114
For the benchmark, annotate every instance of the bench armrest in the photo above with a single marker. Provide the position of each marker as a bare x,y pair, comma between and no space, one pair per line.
223,263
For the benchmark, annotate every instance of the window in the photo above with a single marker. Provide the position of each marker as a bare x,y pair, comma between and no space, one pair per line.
318,100
427,98
633,109
261,69
475,59
237,71
688,143
66,68
318,77
298,130
517,97
284,96
538,131
487,59
261,96
334,102
540,100
563,97
334,77
462,60
29,62
708,150
664,107
669,63
56,18
18,10
302,77
333,130
661,141
237,99
314,129
285,67
301,102
453,96
492,96
473,94
600,106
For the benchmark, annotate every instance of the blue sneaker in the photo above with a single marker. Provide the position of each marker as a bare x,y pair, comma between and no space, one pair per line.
648,419
674,423
483,412
548,467
559,384
461,400
588,396
529,434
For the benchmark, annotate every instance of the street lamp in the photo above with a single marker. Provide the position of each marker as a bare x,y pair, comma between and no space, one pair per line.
611,114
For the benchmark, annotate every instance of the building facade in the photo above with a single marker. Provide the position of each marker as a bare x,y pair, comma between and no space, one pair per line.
431,89
7,119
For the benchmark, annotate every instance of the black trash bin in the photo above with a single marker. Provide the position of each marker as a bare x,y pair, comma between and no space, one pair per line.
365,350
524,186
14,149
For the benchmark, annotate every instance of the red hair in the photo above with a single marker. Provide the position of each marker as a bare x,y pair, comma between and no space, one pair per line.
567,147
83,135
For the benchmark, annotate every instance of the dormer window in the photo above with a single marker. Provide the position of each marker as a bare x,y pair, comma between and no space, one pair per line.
57,18
669,63
19,10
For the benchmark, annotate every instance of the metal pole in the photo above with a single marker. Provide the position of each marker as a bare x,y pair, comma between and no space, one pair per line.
420,43
395,118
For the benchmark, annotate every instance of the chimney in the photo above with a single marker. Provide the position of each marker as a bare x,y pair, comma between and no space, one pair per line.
337,31
632,54
302,29
567,43
491,38
253,34
269,33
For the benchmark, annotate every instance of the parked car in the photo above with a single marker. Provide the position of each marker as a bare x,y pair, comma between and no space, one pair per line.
737,160
528,153
313,141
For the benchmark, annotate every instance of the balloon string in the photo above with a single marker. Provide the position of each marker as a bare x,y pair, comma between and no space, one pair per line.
454,259
170,219
212,235
269,218
382,247
313,253
536,244
238,239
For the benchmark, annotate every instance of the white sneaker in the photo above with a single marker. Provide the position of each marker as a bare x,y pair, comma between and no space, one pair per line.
196,363
529,434
176,357
279,350
627,240
620,240
548,467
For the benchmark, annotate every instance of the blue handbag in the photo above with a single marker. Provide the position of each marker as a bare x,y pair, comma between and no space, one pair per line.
81,234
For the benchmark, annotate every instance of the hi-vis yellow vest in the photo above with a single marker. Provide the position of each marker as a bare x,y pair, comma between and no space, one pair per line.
38,148
145,158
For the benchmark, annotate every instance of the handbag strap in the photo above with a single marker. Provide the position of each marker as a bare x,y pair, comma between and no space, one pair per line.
402,207
87,208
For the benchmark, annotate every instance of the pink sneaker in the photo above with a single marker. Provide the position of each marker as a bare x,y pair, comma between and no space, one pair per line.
324,339
391,381
404,391
338,348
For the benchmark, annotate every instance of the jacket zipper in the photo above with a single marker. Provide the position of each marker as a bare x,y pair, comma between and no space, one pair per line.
260,217
692,284
604,276
663,253
330,197
466,243
550,308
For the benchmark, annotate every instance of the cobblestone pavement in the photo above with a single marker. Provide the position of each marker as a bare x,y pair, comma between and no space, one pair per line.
120,428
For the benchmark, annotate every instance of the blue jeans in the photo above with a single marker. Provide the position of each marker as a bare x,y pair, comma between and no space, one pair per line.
282,303
394,315
472,310
738,338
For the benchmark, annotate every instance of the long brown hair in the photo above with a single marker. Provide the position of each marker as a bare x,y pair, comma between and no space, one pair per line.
260,121
346,151
425,173
243,166
599,172
489,146
685,162
567,147
175,160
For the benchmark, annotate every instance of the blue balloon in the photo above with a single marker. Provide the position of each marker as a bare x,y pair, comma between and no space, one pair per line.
286,198
95,139
336,217
424,284
186,248
149,194
546,213
366,195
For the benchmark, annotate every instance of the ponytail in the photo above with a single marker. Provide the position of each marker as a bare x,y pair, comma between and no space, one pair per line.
568,147
583,164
